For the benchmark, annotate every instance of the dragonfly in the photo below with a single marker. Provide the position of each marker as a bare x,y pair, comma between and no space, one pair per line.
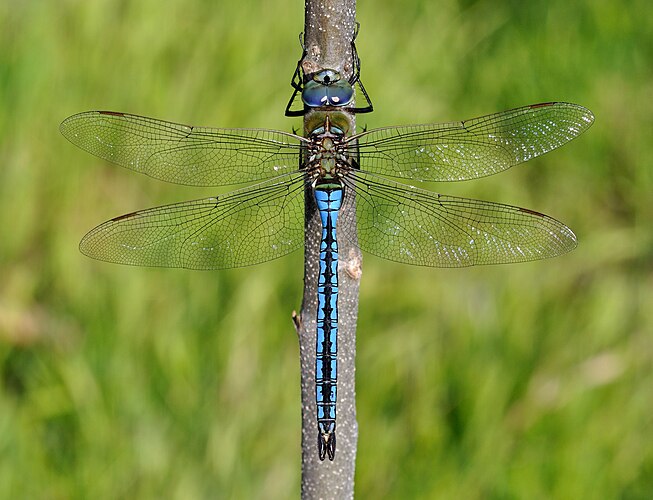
361,185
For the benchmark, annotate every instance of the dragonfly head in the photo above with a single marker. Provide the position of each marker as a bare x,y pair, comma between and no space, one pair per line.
327,88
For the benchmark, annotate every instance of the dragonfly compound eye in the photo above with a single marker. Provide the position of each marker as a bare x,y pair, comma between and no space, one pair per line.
326,90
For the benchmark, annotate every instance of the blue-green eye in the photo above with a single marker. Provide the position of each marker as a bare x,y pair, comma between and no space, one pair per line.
327,88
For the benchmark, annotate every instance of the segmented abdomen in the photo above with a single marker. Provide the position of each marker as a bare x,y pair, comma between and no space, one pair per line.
329,200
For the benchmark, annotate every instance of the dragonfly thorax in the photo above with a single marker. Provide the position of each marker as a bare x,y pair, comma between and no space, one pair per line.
327,151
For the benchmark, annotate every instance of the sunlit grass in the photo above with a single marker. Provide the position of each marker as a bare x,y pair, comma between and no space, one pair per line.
522,381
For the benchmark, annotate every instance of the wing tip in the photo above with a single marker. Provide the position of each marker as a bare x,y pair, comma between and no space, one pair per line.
585,114
568,240
572,240
66,126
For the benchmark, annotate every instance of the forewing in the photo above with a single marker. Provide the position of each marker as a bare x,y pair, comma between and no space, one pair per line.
241,228
410,225
473,148
195,156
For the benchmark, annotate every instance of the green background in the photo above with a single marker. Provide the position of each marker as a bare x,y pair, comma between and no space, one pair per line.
520,381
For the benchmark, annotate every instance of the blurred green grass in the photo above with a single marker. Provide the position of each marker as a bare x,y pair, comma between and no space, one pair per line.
523,381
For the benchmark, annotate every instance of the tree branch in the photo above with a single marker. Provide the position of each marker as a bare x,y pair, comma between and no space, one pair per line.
329,29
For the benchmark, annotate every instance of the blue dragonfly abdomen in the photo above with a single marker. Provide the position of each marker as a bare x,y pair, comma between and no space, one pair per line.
328,197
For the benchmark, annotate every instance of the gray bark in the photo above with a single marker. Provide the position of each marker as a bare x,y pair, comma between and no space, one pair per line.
329,29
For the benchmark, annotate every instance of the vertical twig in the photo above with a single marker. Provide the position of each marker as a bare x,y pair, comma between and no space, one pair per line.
328,32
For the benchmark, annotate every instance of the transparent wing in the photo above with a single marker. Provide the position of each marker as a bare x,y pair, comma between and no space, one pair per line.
473,148
182,154
241,228
410,225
